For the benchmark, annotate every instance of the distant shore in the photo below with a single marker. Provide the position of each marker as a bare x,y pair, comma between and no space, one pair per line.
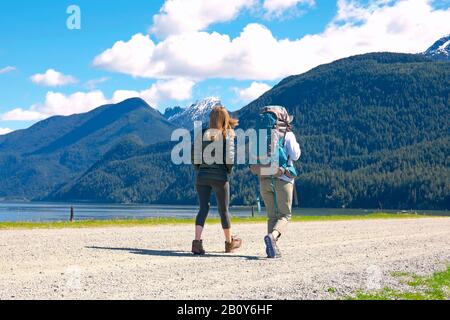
181,221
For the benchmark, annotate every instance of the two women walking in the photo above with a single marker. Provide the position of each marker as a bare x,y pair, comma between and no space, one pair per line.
214,168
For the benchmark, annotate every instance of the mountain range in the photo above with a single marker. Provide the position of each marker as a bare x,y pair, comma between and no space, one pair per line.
374,130
199,111
440,50
36,160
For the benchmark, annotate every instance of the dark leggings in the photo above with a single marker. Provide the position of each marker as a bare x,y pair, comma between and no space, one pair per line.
222,192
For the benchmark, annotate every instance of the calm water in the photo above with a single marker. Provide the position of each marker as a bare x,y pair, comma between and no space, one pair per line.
38,211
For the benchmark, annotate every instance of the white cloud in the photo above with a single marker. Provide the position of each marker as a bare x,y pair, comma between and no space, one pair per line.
185,16
174,89
254,91
401,26
255,54
4,131
277,7
20,114
92,84
53,78
133,57
7,69
59,104
121,95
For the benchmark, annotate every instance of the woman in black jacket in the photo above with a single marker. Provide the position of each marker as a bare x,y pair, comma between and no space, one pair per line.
213,160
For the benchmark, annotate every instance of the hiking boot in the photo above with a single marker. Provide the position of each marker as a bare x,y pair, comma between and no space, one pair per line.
235,244
272,249
197,247
277,250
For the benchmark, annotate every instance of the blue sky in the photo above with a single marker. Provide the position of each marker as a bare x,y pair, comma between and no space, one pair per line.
175,52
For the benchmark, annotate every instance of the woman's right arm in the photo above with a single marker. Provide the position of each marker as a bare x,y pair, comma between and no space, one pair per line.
292,147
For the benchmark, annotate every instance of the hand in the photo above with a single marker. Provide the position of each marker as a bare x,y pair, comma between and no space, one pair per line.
280,173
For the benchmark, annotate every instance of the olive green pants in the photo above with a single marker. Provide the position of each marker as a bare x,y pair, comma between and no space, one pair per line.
277,195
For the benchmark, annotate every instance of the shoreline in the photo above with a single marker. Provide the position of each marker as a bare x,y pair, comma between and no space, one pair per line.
26,225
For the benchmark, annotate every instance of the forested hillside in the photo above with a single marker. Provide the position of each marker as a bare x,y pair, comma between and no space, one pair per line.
374,130
35,161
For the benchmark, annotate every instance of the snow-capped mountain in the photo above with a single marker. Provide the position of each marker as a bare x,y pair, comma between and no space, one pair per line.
199,111
170,112
440,50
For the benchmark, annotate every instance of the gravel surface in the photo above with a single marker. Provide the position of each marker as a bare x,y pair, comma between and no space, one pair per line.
321,260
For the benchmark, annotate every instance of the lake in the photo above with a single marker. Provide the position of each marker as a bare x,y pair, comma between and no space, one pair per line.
40,211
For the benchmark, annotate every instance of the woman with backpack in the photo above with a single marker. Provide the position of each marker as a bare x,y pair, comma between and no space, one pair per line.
277,188
213,172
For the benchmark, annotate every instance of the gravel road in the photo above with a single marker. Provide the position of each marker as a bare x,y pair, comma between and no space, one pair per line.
322,260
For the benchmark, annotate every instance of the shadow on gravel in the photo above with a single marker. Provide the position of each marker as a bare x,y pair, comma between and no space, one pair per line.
173,253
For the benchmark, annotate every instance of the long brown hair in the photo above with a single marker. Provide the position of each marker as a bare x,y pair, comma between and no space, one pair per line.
221,120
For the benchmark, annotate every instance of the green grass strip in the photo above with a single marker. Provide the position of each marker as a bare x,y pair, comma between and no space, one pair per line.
181,221
434,287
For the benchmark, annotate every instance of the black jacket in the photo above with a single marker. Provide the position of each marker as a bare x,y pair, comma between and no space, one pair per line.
219,167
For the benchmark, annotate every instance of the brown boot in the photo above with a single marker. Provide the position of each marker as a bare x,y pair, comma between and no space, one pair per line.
197,247
235,244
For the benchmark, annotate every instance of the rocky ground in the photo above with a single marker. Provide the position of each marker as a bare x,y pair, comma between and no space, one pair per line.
321,260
